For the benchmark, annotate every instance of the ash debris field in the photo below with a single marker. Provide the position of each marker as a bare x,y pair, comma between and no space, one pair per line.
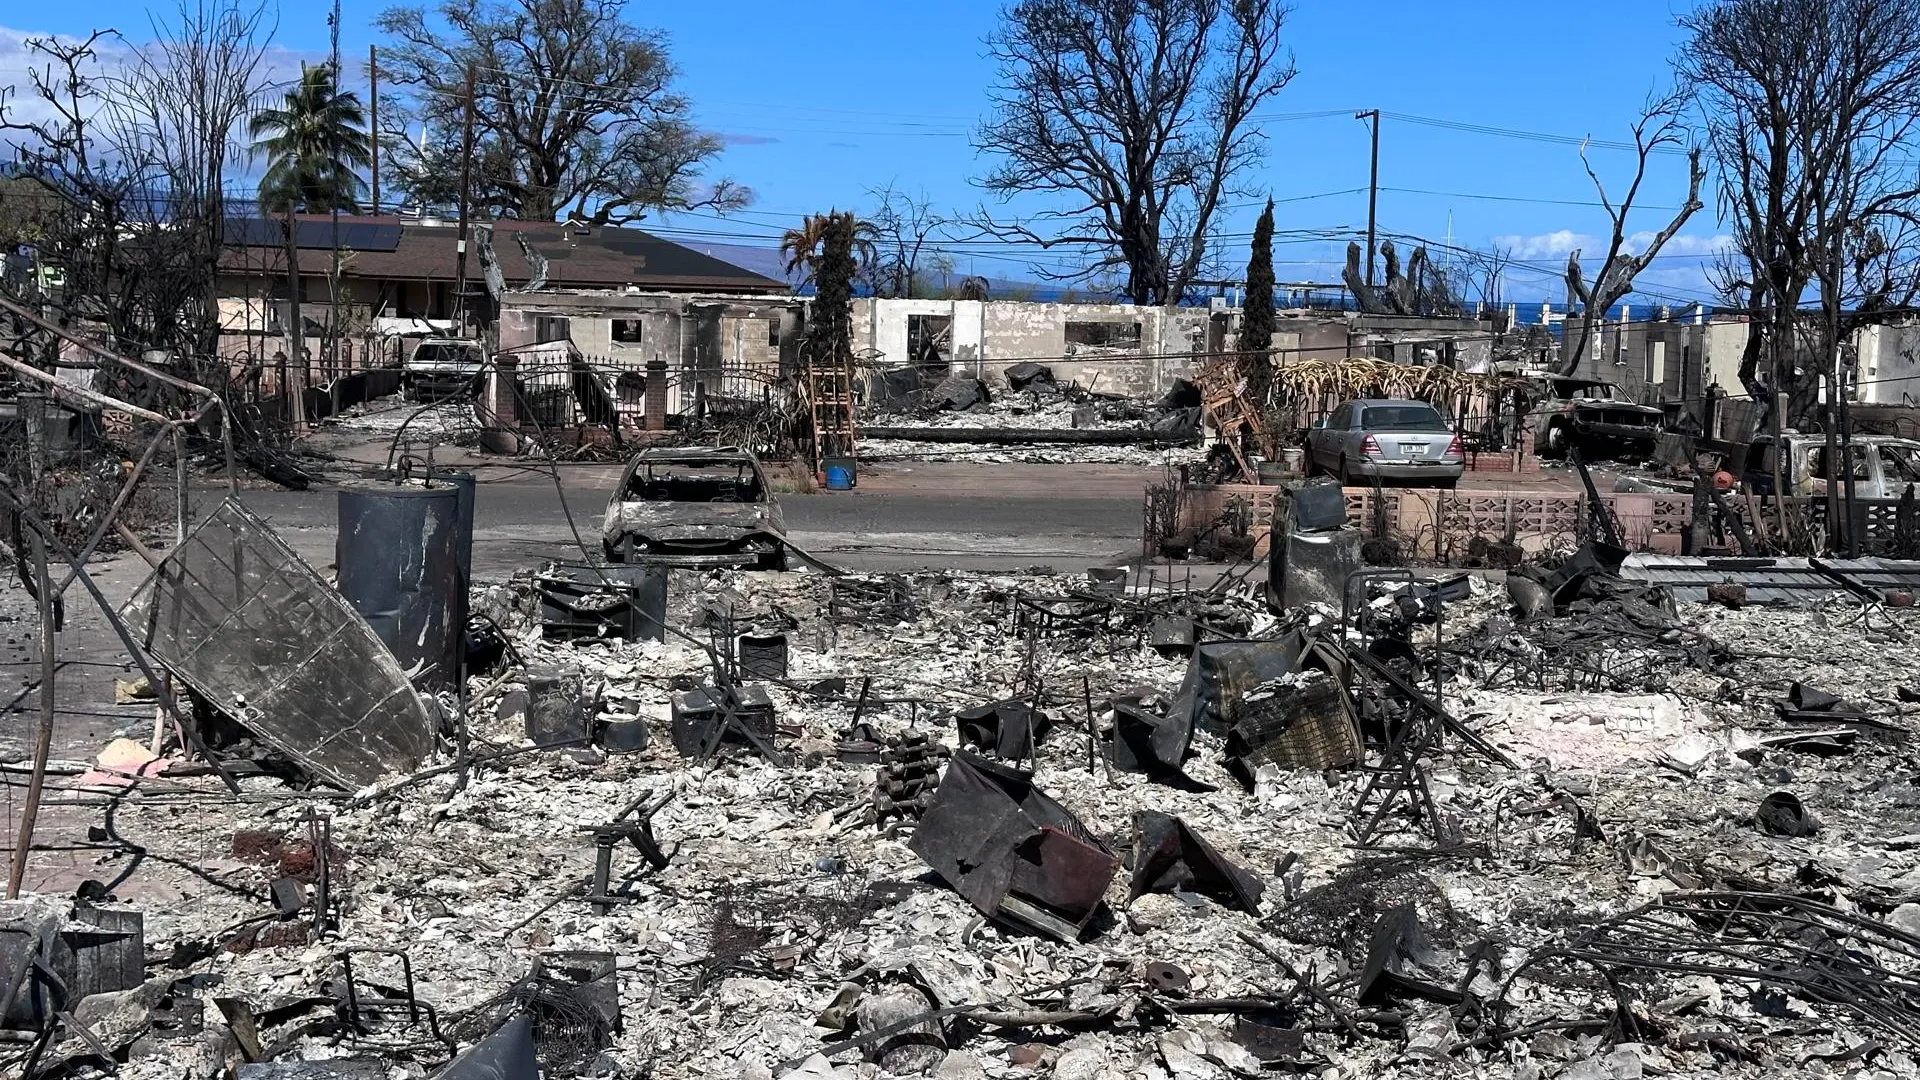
799,824
1034,419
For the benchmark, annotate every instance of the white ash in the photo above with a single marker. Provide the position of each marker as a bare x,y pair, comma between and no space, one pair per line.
458,878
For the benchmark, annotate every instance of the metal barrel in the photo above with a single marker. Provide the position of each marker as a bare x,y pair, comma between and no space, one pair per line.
397,553
467,487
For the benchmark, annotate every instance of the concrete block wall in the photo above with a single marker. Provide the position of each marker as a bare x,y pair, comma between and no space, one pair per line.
987,337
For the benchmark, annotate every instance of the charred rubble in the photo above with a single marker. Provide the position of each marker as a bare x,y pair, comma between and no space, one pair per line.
1556,824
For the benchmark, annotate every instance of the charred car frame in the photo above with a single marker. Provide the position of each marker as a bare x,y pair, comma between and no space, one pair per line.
1593,416
697,507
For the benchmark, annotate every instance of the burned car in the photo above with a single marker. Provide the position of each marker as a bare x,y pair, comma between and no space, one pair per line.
1594,416
702,506
440,369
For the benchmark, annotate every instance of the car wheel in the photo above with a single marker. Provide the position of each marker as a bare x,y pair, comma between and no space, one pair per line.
1449,484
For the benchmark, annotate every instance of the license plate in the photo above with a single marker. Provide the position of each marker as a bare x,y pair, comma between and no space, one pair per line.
1414,449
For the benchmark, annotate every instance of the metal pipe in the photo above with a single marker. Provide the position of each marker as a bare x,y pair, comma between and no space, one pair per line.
182,501
43,737
68,390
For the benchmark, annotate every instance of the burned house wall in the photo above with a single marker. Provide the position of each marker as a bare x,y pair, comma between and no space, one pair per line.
1129,349
1651,362
1314,337
1889,364
1465,344
726,345
1665,361
1725,341
1138,350
889,330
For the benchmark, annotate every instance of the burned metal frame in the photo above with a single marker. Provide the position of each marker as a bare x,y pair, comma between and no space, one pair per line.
170,427
1400,773
1169,854
1012,851
1814,949
1465,734
1364,577
237,576
634,825
356,1004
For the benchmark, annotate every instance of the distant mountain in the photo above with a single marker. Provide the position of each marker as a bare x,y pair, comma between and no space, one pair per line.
761,260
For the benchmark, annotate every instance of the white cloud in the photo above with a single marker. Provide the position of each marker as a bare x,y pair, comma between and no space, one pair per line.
1683,243
1545,245
1557,245
280,67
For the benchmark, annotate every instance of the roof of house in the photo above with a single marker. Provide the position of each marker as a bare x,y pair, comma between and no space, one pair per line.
585,257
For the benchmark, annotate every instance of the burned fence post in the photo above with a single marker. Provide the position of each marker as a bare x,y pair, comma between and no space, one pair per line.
1093,731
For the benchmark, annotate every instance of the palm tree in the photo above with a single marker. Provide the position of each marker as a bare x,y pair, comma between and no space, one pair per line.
801,248
313,144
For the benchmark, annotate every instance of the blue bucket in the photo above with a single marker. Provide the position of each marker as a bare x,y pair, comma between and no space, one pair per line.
839,473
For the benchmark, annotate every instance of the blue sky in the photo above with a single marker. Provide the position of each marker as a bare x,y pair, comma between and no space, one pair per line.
824,101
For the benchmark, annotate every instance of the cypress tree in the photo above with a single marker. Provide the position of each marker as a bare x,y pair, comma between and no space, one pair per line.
1256,318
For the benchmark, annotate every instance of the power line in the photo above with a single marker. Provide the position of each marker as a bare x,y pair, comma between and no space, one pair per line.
1517,198
1531,136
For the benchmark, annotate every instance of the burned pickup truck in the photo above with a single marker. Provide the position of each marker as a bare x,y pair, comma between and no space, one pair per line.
695,507
1594,417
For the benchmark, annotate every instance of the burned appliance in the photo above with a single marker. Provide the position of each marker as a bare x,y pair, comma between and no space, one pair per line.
1014,853
697,713
1169,856
1009,730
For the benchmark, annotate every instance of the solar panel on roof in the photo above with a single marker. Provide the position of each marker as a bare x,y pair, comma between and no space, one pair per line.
363,235
313,234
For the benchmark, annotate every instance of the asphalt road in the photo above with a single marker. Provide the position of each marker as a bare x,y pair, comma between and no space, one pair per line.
932,516
922,516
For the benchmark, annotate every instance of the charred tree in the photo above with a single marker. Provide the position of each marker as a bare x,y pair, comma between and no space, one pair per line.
1809,108
1135,117
1657,130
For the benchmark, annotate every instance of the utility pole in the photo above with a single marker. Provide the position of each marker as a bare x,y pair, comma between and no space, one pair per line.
295,387
33,417
1373,185
466,180
373,118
